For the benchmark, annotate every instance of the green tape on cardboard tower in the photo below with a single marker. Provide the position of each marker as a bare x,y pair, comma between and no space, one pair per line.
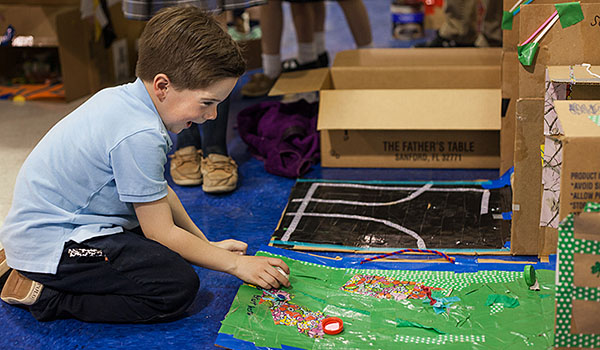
569,13
507,20
527,53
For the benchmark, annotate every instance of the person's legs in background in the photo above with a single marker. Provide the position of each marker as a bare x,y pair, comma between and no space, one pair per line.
204,159
303,14
491,31
459,28
357,18
219,170
271,23
319,33
185,162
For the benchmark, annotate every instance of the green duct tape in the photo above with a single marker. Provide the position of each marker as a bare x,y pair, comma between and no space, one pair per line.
569,13
507,20
405,323
527,53
529,275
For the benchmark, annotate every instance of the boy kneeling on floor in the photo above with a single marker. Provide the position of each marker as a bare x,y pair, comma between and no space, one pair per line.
94,231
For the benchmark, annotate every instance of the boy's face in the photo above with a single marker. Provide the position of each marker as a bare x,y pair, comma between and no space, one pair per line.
180,108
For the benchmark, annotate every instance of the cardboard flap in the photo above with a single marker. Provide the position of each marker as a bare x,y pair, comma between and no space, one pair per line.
413,57
443,68
301,81
477,109
573,74
417,77
575,118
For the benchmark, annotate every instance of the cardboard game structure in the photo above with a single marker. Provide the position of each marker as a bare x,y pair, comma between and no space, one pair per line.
560,47
578,280
383,308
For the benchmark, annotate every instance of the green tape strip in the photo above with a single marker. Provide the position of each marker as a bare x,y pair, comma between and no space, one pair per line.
527,53
507,20
569,13
405,323
499,298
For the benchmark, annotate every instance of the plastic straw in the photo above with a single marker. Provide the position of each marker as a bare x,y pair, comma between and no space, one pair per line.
450,259
519,9
515,6
546,29
555,14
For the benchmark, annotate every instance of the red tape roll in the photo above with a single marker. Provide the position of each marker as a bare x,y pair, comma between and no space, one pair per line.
332,325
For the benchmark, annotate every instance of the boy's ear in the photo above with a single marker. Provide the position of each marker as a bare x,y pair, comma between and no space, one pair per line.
161,85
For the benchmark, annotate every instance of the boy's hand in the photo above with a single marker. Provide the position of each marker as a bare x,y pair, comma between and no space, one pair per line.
232,245
261,271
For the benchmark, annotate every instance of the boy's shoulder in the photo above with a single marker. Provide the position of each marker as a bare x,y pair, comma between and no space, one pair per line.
123,102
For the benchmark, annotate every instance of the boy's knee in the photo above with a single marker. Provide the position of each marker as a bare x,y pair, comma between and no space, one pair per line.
183,291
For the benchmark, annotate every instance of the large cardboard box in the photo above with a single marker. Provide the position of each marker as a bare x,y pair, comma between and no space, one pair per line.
510,38
510,94
577,141
577,282
534,203
85,64
527,192
406,108
560,46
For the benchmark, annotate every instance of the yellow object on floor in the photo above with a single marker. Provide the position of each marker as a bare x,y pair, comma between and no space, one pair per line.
22,92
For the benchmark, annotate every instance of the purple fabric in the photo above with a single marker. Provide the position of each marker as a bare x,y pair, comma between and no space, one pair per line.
283,135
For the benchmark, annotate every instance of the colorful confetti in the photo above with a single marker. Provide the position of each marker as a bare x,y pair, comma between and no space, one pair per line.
382,287
285,313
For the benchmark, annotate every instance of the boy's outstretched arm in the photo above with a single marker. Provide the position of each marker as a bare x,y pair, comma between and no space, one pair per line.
157,222
183,220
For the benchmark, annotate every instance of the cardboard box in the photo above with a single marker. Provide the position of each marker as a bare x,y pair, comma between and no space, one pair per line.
576,143
406,108
536,119
527,192
577,282
85,65
560,46
578,84
510,94
510,38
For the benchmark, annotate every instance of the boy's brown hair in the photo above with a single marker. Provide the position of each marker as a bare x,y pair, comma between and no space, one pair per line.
190,47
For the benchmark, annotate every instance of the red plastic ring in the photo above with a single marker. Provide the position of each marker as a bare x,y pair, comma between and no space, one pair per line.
330,321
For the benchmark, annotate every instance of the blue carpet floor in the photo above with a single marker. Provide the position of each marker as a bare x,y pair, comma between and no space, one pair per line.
249,214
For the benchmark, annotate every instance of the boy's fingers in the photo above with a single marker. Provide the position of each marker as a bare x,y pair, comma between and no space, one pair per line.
269,281
279,276
280,263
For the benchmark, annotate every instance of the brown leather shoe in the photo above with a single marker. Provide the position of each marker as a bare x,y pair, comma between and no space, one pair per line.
20,290
3,266
185,166
258,86
219,173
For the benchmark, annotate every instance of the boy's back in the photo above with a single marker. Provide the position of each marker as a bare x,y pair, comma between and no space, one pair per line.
80,180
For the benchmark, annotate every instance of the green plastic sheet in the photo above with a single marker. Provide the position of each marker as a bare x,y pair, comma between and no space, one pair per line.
527,53
569,13
503,299
405,323
507,20
381,323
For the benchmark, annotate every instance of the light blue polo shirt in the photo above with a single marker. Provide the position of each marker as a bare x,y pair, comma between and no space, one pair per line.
81,179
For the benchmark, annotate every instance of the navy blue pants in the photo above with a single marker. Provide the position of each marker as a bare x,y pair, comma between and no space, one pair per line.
120,278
